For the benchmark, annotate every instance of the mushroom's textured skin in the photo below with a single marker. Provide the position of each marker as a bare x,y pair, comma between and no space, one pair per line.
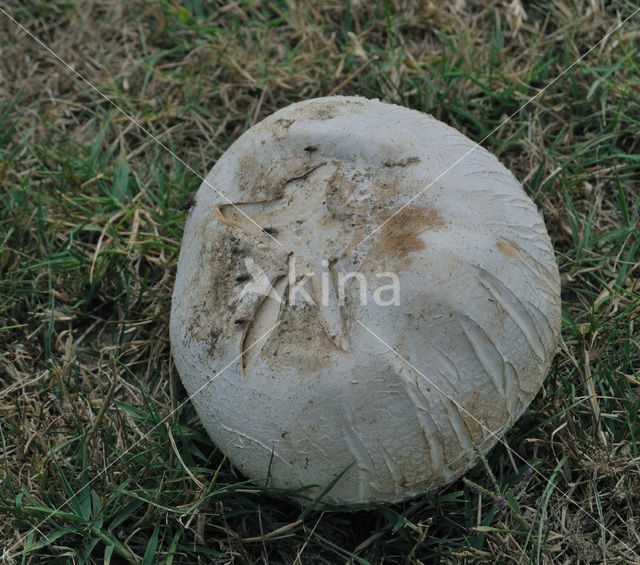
478,312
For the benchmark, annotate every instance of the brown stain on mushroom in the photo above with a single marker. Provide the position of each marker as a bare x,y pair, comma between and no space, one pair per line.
339,195
234,215
281,129
400,236
406,162
340,184
508,248
482,415
247,164
225,254
263,321
285,124
359,234
300,341
327,109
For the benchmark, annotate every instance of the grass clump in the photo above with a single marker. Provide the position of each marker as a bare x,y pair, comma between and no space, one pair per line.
102,461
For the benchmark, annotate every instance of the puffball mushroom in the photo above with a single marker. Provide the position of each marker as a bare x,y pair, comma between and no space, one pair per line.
395,386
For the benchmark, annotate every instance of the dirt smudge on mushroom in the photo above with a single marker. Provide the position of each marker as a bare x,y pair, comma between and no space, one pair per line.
327,109
339,195
300,341
281,128
408,161
264,320
508,248
224,254
400,236
285,124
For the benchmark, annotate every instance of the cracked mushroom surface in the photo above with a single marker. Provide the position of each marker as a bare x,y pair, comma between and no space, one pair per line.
313,343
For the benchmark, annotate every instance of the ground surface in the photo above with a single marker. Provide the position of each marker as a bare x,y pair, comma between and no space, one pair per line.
91,216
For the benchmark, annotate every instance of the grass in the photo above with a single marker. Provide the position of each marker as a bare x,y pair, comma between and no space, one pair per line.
91,216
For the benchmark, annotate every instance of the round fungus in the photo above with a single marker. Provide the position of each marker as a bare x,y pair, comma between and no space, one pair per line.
364,297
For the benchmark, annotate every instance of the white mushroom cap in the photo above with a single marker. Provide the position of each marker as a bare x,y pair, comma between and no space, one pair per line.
473,334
